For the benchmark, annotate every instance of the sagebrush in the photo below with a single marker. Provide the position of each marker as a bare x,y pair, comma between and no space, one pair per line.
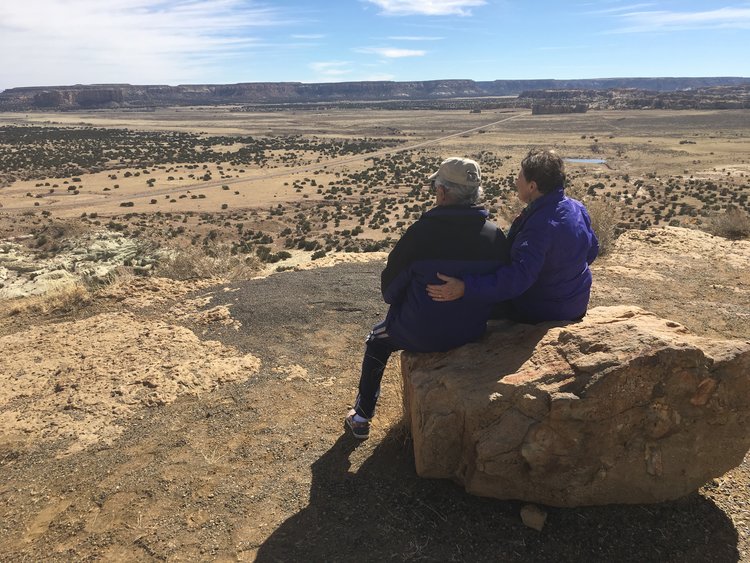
733,224
63,298
204,262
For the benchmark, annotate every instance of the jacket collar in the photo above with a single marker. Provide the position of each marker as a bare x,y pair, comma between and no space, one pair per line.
445,210
551,198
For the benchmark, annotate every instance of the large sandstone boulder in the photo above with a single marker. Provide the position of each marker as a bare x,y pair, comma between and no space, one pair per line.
623,407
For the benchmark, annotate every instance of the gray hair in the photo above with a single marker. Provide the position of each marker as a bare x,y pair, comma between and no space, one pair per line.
546,168
459,194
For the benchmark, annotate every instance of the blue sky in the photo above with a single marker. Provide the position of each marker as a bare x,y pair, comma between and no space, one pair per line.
58,42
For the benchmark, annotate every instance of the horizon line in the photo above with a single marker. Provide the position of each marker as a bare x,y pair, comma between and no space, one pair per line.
121,84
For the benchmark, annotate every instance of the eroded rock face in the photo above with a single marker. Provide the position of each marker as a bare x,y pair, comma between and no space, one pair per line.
623,407
92,257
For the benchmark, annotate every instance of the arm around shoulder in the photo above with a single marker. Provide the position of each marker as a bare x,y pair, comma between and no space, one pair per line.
507,282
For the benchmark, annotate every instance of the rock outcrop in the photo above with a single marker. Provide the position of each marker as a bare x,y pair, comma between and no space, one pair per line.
554,108
623,407
91,258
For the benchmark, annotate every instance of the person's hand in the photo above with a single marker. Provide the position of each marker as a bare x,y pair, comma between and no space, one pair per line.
452,289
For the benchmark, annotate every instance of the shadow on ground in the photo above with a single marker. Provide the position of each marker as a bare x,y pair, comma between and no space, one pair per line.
385,512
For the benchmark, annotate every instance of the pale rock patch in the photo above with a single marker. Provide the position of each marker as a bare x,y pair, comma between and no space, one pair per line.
293,372
218,315
80,380
91,257
671,250
141,292
301,260
194,310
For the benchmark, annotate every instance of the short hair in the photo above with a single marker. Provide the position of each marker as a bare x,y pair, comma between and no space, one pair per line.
459,194
544,167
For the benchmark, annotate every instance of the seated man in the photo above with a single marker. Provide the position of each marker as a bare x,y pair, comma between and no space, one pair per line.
552,245
454,237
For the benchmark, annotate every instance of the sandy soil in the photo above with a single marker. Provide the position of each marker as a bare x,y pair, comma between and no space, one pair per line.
699,280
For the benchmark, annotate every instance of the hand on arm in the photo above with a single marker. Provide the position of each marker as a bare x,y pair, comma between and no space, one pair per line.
508,282
452,289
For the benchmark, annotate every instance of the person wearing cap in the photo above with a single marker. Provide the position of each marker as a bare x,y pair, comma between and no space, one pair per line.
552,245
454,237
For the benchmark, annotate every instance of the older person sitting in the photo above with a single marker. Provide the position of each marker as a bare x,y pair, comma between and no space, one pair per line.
552,245
453,237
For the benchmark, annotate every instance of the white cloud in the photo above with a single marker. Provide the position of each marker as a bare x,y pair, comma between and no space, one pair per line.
391,52
427,7
737,18
382,77
414,38
617,9
308,36
563,47
46,42
331,68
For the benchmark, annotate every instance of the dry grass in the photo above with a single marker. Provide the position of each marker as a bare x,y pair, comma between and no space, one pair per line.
603,213
734,224
214,261
603,220
64,298
51,236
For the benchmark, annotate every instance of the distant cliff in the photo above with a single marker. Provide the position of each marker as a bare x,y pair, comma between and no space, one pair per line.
126,95
708,97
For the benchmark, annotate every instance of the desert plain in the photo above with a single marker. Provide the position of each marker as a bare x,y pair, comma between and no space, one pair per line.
326,173
187,405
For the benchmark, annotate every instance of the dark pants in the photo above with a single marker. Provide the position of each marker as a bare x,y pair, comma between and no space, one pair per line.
378,348
508,310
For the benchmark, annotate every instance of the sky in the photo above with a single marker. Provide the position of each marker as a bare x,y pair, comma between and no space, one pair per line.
65,42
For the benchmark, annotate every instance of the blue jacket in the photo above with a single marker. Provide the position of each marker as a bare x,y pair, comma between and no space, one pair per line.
455,240
552,245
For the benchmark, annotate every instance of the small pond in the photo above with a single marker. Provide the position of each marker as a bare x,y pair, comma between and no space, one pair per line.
586,160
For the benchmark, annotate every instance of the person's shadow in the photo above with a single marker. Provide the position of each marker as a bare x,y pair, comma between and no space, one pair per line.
384,512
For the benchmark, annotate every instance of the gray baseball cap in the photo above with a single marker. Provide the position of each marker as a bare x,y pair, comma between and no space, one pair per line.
462,171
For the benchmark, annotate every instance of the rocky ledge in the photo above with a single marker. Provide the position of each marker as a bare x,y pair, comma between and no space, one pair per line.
623,407
91,258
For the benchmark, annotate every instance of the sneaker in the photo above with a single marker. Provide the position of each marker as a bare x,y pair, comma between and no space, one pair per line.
360,430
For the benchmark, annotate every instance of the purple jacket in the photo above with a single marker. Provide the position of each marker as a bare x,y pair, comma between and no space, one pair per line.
548,279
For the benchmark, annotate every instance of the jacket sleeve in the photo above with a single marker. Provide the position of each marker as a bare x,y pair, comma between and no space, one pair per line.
527,259
394,280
